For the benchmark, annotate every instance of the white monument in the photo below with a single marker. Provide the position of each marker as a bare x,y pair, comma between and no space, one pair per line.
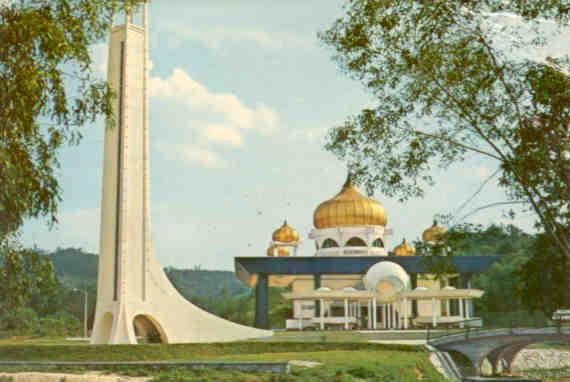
135,300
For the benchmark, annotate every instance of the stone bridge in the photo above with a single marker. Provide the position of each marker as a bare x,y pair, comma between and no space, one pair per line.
498,346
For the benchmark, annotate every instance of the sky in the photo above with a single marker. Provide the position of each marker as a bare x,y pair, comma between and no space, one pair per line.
241,96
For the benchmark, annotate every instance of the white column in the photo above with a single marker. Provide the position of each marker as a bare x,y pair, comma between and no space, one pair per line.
389,315
461,311
346,314
468,310
384,316
374,318
322,314
393,305
433,313
369,314
448,307
405,313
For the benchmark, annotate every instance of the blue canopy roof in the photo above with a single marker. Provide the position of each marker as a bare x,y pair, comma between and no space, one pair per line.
337,265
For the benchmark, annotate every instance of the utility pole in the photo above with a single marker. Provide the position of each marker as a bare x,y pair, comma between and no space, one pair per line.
85,309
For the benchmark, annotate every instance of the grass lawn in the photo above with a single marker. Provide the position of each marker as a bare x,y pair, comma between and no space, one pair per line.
341,361
551,345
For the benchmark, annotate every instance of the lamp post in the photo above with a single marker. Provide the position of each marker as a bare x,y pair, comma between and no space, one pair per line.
85,306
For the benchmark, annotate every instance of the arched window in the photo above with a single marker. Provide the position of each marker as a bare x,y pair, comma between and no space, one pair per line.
355,242
378,243
329,243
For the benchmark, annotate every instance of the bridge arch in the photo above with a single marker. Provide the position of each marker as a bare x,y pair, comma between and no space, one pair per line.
495,350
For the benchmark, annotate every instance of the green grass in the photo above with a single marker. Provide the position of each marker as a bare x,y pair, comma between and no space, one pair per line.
341,361
341,336
551,345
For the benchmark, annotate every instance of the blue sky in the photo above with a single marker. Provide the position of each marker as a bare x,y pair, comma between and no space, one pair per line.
242,93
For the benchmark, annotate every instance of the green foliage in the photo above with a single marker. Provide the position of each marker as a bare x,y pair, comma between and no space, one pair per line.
48,90
58,325
23,274
445,89
543,283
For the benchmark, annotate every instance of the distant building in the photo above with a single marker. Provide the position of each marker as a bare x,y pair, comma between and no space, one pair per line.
350,281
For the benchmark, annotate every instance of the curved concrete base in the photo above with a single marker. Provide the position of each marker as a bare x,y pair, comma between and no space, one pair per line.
176,319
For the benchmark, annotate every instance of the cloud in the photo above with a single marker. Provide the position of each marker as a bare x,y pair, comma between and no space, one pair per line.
223,134
191,155
216,38
206,118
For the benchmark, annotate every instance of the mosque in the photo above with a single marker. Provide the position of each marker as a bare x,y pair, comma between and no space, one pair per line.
352,281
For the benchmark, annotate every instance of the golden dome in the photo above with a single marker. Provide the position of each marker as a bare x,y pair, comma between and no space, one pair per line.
349,207
271,250
433,233
274,250
285,234
404,249
283,251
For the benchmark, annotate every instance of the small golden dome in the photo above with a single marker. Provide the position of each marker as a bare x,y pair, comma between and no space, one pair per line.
271,250
433,233
349,207
404,249
283,251
286,234
274,250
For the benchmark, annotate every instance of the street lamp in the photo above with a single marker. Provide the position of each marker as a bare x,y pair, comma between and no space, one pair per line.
85,297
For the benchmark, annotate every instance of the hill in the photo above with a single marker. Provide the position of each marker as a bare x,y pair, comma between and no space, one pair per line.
78,269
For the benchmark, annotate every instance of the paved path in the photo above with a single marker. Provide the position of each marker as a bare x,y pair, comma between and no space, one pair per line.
276,367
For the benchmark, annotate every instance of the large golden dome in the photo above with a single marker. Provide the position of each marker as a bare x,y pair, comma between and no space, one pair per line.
349,207
433,233
404,249
285,234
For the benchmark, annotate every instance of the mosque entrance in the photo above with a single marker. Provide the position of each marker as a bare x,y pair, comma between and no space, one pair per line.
147,331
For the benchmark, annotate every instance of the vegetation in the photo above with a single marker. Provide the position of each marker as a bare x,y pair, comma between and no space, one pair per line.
449,85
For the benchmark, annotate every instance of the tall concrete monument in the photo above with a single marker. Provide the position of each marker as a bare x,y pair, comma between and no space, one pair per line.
135,300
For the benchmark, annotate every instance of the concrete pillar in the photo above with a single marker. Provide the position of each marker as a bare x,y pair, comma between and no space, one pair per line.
317,285
433,313
394,323
374,315
461,311
384,316
369,314
406,307
261,302
322,311
414,281
346,313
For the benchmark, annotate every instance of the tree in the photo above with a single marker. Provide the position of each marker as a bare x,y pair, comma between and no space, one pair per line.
447,85
23,274
47,91
542,277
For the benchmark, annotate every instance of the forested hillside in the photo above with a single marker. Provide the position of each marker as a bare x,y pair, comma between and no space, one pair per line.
76,268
